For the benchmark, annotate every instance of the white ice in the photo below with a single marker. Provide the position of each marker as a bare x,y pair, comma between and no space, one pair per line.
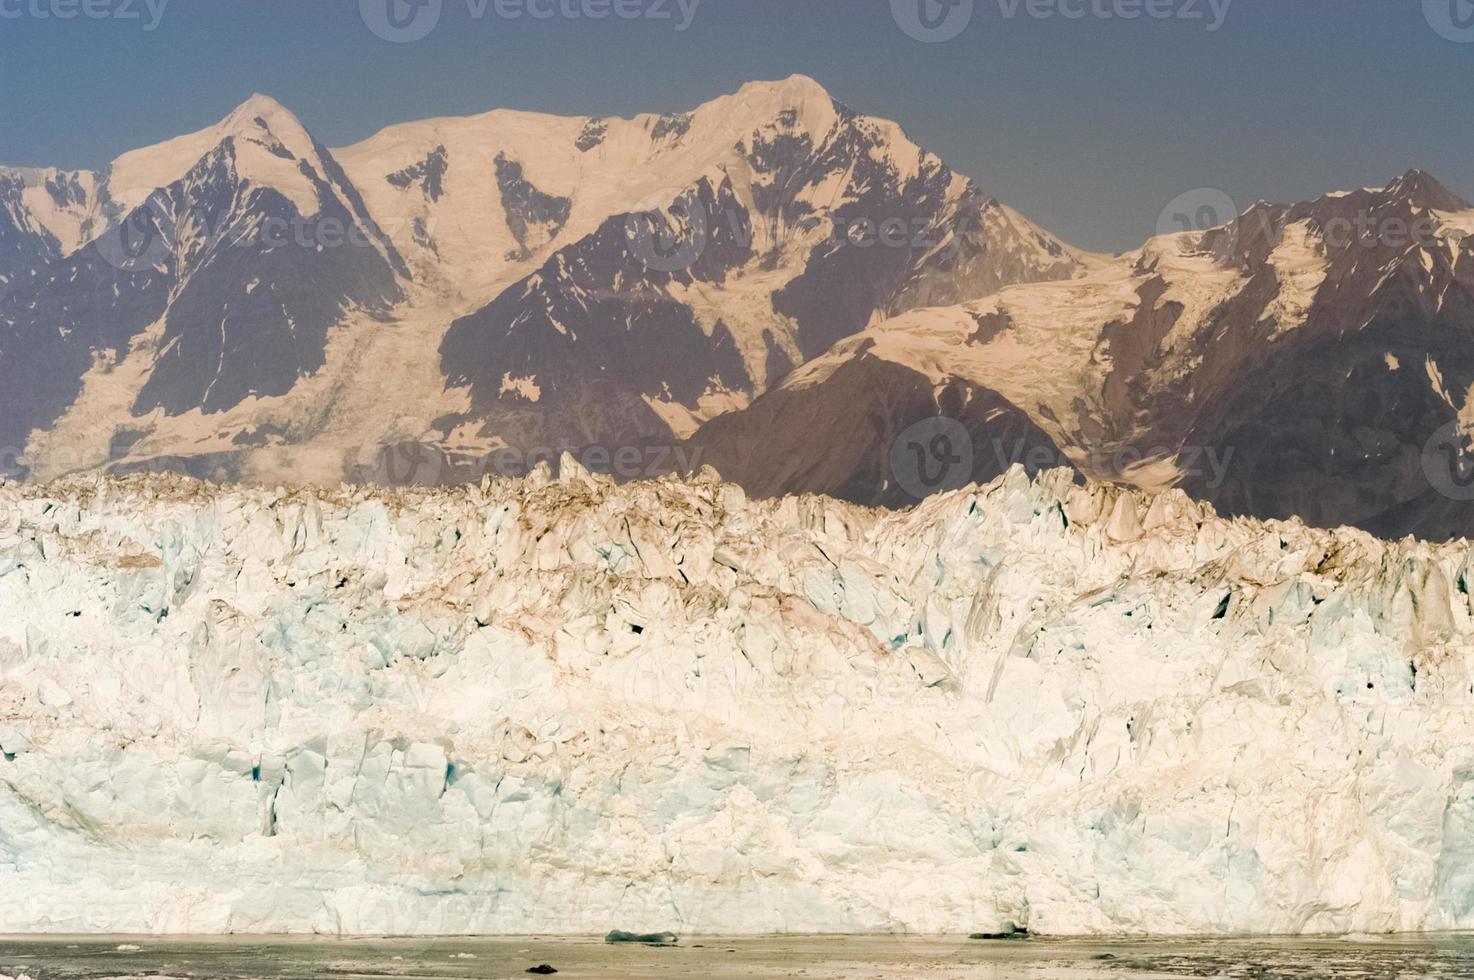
566,707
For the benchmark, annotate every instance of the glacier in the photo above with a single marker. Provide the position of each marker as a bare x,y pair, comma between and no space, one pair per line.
561,705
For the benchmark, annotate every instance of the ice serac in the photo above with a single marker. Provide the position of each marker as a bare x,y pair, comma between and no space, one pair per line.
566,706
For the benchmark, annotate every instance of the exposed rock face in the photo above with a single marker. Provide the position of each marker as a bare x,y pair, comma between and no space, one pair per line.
847,436
579,344
533,217
552,706
44,214
1332,414
251,306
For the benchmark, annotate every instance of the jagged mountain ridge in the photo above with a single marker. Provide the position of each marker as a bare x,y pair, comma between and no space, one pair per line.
526,281
490,299
1299,361
715,246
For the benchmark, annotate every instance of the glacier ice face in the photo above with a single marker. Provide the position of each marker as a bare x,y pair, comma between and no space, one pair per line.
565,706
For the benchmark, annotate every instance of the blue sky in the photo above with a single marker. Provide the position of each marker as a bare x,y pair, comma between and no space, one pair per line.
1087,124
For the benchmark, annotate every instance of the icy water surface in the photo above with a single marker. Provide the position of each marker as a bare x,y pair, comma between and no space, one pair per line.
810,958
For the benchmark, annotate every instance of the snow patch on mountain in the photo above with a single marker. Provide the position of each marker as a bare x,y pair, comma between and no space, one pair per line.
259,126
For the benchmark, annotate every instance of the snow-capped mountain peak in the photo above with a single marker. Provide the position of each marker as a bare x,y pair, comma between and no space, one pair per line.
1422,190
262,131
517,267
259,111
813,108
68,209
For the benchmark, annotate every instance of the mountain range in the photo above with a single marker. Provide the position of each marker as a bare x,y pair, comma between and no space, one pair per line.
772,283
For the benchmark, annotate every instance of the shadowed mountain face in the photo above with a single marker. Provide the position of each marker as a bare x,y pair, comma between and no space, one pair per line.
42,212
575,354
1331,415
56,323
862,435
596,315
22,245
38,374
1334,420
250,312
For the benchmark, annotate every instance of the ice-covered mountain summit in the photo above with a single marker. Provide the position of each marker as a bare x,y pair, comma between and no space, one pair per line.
668,267
212,283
